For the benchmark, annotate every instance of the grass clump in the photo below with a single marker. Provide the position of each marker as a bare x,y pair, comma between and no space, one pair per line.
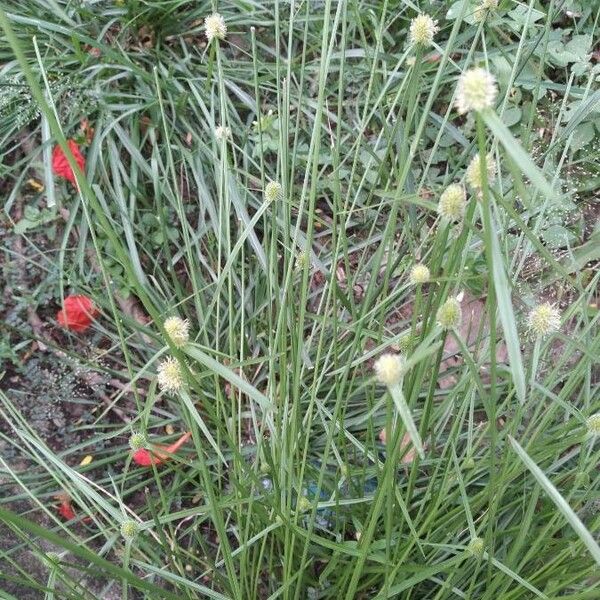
272,208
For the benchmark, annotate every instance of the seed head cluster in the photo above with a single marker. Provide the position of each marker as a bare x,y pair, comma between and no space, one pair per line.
222,133
449,314
170,377
215,27
422,30
129,529
473,174
476,91
544,320
273,191
477,547
593,425
453,202
419,275
389,368
178,330
138,440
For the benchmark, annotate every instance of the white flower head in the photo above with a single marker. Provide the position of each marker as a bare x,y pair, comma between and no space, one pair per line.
422,30
453,202
483,10
138,440
222,133
273,191
593,425
215,27
170,377
544,320
473,175
419,274
476,547
129,529
476,91
178,330
449,314
389,368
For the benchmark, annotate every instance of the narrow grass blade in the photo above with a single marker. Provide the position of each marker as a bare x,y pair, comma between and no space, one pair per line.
507,318
47,154
407,419
567,512
518,578
200,422
227,374
80,551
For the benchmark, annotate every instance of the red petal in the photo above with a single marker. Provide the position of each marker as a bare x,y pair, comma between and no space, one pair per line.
77,313
143,458
60,164
180,442
146,458
65,510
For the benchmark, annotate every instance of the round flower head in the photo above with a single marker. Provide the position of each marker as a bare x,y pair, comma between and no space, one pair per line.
302,259
170,378
453,202
304,504
482,10
215,27
593,425
273,191
419,275
222,133
449,315
473,174
389,368
422,30
470,463
178,330
138,440
544,320
129,529
406,343
476,547
476,91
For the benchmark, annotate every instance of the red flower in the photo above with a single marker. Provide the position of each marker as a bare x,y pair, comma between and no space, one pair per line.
160,454
60,164
65,510
77,313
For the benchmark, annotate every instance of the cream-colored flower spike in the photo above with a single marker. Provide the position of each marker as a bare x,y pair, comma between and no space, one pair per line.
483,9
453,202
138,440
215,27
273,191
593,425
389,368
449,314
129,529
222,133
473,174
422,30
419,275
544,320
170,377
476,91
178,330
